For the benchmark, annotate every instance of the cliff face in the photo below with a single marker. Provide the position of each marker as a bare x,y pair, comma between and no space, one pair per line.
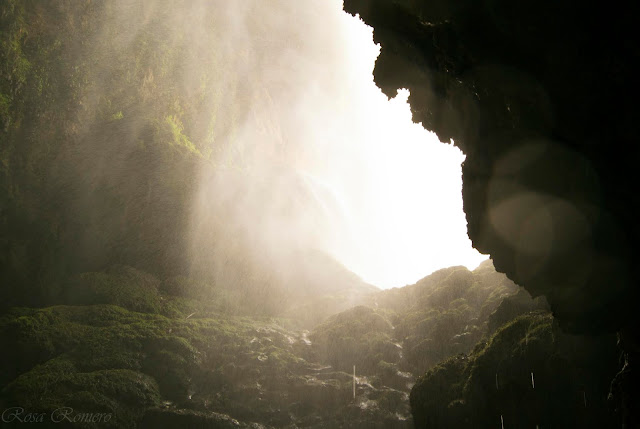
540,97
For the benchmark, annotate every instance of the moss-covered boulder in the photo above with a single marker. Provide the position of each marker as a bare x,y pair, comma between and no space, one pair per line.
187,357
119,285
444,314
359,336
106,358
66,395
528,373
207,370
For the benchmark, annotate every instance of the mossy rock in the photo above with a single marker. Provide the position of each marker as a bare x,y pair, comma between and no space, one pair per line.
120,285
57,385
81,354
187,287
513,306
522,374
359,336
434,391
102,340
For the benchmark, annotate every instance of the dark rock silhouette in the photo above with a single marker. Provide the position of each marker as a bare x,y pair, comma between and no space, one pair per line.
541,97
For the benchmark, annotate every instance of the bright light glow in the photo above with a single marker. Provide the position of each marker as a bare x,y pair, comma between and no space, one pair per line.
320,159
397,186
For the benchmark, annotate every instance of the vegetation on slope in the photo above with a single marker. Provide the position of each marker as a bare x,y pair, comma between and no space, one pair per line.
85,103
528,373
150,352
145,351
445,313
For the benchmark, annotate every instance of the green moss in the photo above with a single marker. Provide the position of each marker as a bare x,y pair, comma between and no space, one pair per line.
104,358
521,373
359,336
120,285
176,130
5,114
58,383
434,391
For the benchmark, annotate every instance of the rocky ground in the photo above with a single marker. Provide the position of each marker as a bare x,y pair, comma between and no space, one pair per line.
130,350
168,354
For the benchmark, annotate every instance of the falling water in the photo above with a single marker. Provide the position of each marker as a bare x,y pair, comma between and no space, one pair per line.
354,382
313,156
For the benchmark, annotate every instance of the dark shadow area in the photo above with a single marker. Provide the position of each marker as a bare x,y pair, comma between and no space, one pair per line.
541,97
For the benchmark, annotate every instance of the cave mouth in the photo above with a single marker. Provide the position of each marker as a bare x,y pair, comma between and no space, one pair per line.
336,165
147,144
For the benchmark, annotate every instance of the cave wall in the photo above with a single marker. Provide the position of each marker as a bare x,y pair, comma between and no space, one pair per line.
102,138
541,98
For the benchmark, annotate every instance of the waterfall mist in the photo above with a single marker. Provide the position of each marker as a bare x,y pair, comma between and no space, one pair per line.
248,145
313,159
